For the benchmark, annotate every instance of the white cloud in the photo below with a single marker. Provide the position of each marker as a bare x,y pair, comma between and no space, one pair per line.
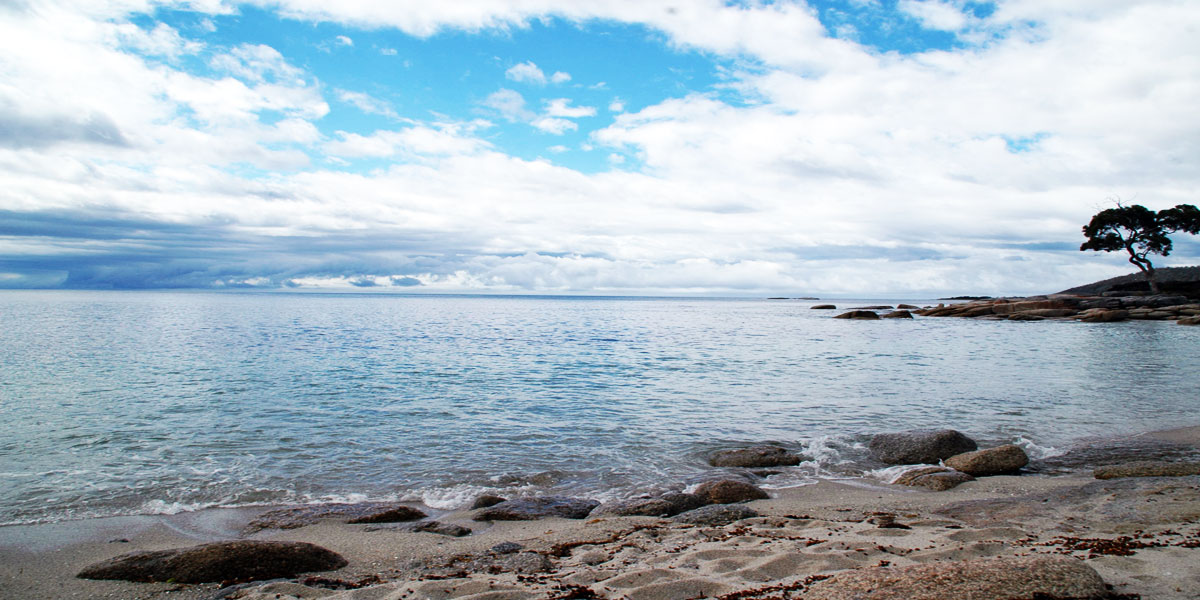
509,103
935,14
558,149
554,125
526,72
367,103
560,77
413,142
388,51
344,41
617,105
560,107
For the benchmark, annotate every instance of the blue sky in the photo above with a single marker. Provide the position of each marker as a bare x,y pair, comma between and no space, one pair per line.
854,147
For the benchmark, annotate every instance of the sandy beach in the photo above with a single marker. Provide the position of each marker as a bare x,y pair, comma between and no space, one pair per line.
1140,534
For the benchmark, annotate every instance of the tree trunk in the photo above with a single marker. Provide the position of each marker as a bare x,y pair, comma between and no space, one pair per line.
1148,271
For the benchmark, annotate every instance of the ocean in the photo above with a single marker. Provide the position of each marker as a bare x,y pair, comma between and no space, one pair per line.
150,402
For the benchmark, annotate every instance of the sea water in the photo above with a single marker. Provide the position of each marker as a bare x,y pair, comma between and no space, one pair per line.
115,403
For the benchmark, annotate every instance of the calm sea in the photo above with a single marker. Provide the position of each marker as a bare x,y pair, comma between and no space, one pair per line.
151,402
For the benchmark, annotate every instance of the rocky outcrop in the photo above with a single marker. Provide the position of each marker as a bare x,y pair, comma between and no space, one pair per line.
221,561
1009,458
530,509
824,307
1091,309
919,446
753,457
728,491
716,515
864,315
1147,468
938,479
1103,315
1007,578
897,314
1189,320
662,506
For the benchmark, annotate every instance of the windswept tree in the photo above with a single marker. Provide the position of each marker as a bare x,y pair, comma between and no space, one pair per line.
1140,232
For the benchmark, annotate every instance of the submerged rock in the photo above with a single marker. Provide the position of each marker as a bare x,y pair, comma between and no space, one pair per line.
1147,468
754,456
529,509
979,579
992,461
716,515
486,500
728,491
919,446
220,561
938,479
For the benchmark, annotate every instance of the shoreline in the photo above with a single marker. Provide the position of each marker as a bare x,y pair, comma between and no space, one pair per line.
41,560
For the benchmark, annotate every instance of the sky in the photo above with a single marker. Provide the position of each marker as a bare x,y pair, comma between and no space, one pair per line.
854,148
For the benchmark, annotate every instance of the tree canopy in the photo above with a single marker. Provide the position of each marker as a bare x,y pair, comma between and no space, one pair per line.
1140,232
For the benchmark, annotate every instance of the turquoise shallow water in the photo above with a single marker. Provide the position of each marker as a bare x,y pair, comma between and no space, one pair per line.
146,402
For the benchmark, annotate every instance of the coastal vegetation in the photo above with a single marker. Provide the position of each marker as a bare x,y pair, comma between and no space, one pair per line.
1141,232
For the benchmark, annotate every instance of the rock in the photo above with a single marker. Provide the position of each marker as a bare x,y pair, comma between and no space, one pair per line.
1103,315
755,456
938,479
1005,308
506,548
897,314
919,446
441,528
716,515
876,307
906,307
663,506
392,515
486,500
1147,468
1189,321
993,461
1006,578
529,509
300,516
220,561
824,307
728,491
858,314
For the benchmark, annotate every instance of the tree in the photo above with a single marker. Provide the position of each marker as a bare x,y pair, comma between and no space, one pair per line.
1140,232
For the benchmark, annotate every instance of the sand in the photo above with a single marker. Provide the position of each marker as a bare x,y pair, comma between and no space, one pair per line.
1142,535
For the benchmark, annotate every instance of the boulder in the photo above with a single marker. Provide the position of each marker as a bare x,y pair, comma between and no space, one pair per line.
1147,468
530,509
824,307
392,515
992,461
1008,578
1189,321
919,446
728,491
716,515
238,560
938,479
858,314
755,456
663,506
897,314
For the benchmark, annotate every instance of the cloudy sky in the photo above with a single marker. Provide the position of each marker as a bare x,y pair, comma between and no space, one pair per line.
863,148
